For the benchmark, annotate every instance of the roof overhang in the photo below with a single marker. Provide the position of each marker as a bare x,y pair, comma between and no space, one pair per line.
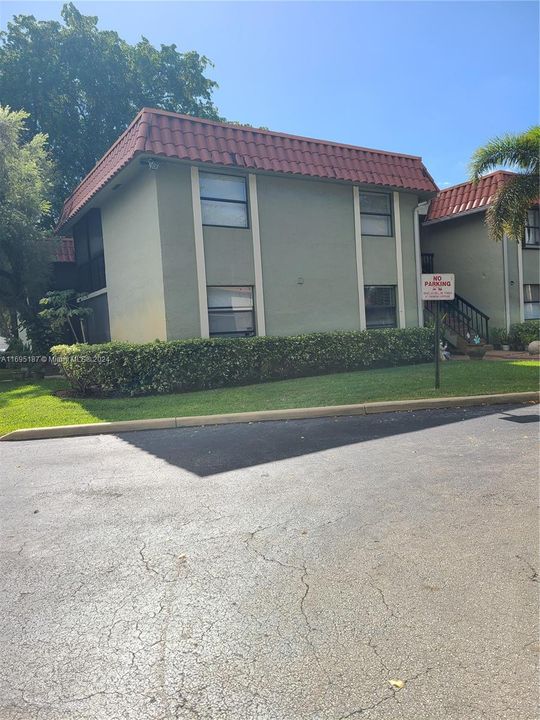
456,216
170,136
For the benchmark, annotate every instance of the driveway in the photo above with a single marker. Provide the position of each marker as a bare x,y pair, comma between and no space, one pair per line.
276,571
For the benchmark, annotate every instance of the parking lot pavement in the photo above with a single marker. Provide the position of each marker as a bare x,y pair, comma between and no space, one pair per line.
274,571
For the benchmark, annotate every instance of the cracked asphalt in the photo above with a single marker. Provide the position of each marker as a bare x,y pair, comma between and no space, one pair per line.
275,571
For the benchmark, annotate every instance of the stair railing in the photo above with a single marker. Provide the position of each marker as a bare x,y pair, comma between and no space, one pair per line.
462,317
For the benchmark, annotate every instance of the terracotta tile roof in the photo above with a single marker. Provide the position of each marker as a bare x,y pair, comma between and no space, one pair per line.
467,197
166,134
65,250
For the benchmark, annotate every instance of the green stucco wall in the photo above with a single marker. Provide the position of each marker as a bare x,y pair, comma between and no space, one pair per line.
408,203
463,247
178,251
308,255
513,281
228,252
379,258
133,262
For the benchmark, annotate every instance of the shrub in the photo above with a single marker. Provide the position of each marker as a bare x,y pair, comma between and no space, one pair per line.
521,334
164,367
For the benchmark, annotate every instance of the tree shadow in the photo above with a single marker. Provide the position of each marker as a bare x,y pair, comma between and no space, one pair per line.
215,449
17,389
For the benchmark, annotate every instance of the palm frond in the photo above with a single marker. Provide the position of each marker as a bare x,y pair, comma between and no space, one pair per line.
517,151
507,214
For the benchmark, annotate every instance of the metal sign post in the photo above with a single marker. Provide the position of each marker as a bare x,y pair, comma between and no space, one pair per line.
438,287
437,347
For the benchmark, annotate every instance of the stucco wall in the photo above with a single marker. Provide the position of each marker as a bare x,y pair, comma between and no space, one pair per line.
228,252
408,203
133,261
308,255
463,247
379,258
513,281
178,251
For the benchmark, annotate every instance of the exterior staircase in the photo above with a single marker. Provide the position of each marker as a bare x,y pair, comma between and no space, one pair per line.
461,321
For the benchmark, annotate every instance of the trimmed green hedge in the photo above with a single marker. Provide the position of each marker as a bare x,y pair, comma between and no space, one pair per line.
164,367
521,334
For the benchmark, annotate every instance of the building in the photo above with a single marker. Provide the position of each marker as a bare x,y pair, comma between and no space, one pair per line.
501,281
189,228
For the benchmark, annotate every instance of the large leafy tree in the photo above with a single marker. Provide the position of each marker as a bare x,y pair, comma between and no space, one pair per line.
25,183
507,213
82,86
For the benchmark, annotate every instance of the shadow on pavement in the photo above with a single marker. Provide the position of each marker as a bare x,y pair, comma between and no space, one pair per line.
521,418
220,448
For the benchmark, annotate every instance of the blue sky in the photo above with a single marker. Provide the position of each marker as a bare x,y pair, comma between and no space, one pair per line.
435,79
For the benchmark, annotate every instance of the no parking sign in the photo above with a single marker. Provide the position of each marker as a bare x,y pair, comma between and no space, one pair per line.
439,286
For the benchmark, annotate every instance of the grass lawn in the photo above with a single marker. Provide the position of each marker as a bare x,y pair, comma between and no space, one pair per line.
25,404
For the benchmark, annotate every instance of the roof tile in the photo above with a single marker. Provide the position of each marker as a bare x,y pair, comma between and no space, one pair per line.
163,133
466,197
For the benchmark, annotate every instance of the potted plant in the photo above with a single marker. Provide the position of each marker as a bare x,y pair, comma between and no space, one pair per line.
476,349
505,341
500,339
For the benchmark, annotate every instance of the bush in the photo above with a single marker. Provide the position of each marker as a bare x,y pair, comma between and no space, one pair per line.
164,367
521,334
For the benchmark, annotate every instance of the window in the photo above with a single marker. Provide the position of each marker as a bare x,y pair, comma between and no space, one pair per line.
376,214
230,311
380,306
223,200
532,229
531,297
88,239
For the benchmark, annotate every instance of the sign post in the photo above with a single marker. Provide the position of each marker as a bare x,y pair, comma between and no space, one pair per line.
436,288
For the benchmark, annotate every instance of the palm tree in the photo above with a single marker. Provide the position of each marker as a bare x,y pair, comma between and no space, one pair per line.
507,213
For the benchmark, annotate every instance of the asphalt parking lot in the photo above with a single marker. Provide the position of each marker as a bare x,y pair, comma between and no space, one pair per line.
275,571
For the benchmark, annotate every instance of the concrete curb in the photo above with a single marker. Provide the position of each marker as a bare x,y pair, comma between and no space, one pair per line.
266,415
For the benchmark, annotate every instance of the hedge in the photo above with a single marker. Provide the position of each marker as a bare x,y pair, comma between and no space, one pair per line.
181,365
521,334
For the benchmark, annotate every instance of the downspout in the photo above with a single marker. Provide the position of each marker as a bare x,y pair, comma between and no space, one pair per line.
420,208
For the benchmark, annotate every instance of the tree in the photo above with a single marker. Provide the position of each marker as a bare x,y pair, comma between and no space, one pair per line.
507,213
82,86
62,309
25,182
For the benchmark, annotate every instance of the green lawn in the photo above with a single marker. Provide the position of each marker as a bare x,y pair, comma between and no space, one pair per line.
32,404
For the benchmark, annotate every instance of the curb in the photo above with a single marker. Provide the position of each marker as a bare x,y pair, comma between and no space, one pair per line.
266,415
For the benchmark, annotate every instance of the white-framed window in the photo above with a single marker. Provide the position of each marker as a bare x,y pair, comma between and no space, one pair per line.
380,301
223,200
531,298
376,213
532,229
230,311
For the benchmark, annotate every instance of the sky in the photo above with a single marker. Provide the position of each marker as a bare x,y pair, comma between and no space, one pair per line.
435,79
